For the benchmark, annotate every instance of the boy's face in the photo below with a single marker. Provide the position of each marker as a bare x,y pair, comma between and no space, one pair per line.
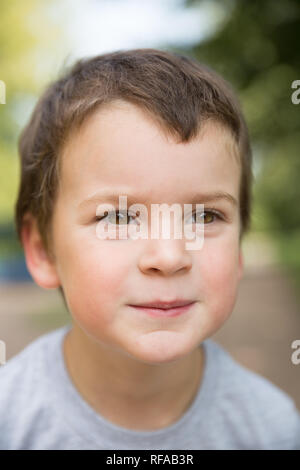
123,150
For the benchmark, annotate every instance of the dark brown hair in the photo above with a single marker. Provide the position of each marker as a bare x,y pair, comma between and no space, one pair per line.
177,91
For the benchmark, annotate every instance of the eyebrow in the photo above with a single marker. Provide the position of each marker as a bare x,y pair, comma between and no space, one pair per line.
108,196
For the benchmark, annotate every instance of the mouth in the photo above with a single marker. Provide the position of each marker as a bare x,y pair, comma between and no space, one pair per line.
165,309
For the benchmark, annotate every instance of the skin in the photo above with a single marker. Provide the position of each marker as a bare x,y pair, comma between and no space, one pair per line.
137,371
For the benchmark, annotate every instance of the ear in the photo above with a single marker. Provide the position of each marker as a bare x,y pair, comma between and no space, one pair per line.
241,265
39,263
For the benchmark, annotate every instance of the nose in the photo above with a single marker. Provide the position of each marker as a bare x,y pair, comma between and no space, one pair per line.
165,257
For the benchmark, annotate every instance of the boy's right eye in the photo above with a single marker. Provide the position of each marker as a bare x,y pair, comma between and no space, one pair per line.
121,216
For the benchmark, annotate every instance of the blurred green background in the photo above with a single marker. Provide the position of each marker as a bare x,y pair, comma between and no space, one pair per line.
29,30
254,44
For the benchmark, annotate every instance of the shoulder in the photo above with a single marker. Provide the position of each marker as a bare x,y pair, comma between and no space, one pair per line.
23,388
24,365
254,404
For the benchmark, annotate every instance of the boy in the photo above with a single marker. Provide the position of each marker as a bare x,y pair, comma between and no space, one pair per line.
137,370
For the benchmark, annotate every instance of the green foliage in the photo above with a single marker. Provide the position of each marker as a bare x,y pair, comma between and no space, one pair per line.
9,177
10,246
256,49
278,187
30,55
289,253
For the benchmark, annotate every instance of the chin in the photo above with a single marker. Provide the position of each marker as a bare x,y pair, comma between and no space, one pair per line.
159,347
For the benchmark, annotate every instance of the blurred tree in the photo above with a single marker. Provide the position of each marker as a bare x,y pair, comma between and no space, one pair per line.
255,47
29,37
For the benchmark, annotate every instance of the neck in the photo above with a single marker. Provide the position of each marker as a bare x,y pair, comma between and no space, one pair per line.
129,393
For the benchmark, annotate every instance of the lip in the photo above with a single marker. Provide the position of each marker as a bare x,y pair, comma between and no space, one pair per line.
164,312
165,304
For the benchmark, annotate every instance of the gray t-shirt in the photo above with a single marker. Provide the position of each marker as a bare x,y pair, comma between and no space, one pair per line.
234,408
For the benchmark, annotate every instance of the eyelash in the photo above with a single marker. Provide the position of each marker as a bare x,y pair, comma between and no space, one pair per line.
216,213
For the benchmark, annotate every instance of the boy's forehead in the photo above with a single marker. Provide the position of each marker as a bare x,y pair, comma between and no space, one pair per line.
136,150
120,118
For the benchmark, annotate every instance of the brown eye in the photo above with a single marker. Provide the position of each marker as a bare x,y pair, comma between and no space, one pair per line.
209,217
121,217
123,220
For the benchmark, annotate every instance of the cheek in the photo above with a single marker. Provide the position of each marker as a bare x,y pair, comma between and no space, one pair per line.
220,278
94,278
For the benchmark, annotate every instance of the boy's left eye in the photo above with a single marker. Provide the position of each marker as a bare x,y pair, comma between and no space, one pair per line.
208,214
